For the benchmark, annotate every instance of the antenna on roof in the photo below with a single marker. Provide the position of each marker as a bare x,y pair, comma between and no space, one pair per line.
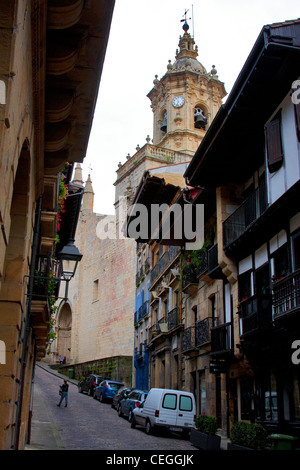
193,19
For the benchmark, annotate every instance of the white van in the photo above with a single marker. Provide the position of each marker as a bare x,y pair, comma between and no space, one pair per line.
171,409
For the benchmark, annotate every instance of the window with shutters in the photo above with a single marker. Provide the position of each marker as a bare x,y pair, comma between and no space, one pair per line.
274,144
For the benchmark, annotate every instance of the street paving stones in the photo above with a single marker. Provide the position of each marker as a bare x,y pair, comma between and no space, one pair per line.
87,424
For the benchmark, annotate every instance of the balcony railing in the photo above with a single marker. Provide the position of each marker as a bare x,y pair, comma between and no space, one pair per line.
286,295
197,335
163,262
256,313
165,324
250,210
221,339
142,272
191,273
46,278
153,331
203,328
188,339
141,312
173,318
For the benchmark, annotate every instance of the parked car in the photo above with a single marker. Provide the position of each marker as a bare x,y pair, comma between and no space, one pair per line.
171,409
128,404
119,395
89,383
107,389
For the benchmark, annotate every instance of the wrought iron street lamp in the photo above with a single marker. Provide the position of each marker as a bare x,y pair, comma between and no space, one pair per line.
69,258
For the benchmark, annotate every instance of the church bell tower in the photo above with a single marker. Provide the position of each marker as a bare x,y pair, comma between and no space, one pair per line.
185,100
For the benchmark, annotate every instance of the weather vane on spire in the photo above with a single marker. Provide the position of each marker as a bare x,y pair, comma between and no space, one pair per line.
185,26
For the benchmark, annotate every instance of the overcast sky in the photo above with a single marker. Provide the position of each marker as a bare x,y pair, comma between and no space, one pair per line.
144,35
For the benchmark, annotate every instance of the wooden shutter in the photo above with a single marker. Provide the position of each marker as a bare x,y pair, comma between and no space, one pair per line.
297,118
274,144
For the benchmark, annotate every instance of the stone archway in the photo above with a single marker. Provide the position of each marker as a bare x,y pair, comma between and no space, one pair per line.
64,331
15,263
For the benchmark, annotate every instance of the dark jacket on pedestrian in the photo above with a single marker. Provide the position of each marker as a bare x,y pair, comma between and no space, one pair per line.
64,387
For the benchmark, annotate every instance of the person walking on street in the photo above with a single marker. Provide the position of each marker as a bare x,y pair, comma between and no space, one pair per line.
64,389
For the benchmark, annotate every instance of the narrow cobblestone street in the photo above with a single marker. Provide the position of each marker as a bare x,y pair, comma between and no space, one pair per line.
87,424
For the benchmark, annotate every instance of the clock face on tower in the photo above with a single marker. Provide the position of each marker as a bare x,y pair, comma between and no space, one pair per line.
178,101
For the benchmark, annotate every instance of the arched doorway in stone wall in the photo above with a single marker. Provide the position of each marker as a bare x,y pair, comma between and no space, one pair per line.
64,330
15,264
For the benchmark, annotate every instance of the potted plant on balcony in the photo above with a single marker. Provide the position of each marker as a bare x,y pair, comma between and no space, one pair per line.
204,436
247,436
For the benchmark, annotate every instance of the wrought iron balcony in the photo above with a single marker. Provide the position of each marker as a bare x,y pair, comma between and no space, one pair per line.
221,339
173,318
196,336
163,262
256,313
165,324
244,216
192,272
153,331
286,295
141,312
203,331
46,278
142,272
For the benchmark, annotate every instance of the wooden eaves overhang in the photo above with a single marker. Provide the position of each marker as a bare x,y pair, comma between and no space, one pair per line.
69,41
151,190
234,142
156,190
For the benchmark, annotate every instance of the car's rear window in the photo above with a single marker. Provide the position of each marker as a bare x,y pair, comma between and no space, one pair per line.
185,403
169,401
114,385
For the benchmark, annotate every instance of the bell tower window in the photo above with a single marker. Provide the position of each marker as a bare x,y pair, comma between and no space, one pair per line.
200,120
164,122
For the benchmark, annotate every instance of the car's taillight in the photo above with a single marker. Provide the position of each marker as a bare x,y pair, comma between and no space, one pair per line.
94,383
107,386
137,404
156,413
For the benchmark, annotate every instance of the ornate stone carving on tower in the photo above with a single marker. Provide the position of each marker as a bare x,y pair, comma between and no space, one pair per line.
185,100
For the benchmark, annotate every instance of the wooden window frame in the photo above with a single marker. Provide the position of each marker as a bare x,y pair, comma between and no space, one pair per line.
297,119
274,146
